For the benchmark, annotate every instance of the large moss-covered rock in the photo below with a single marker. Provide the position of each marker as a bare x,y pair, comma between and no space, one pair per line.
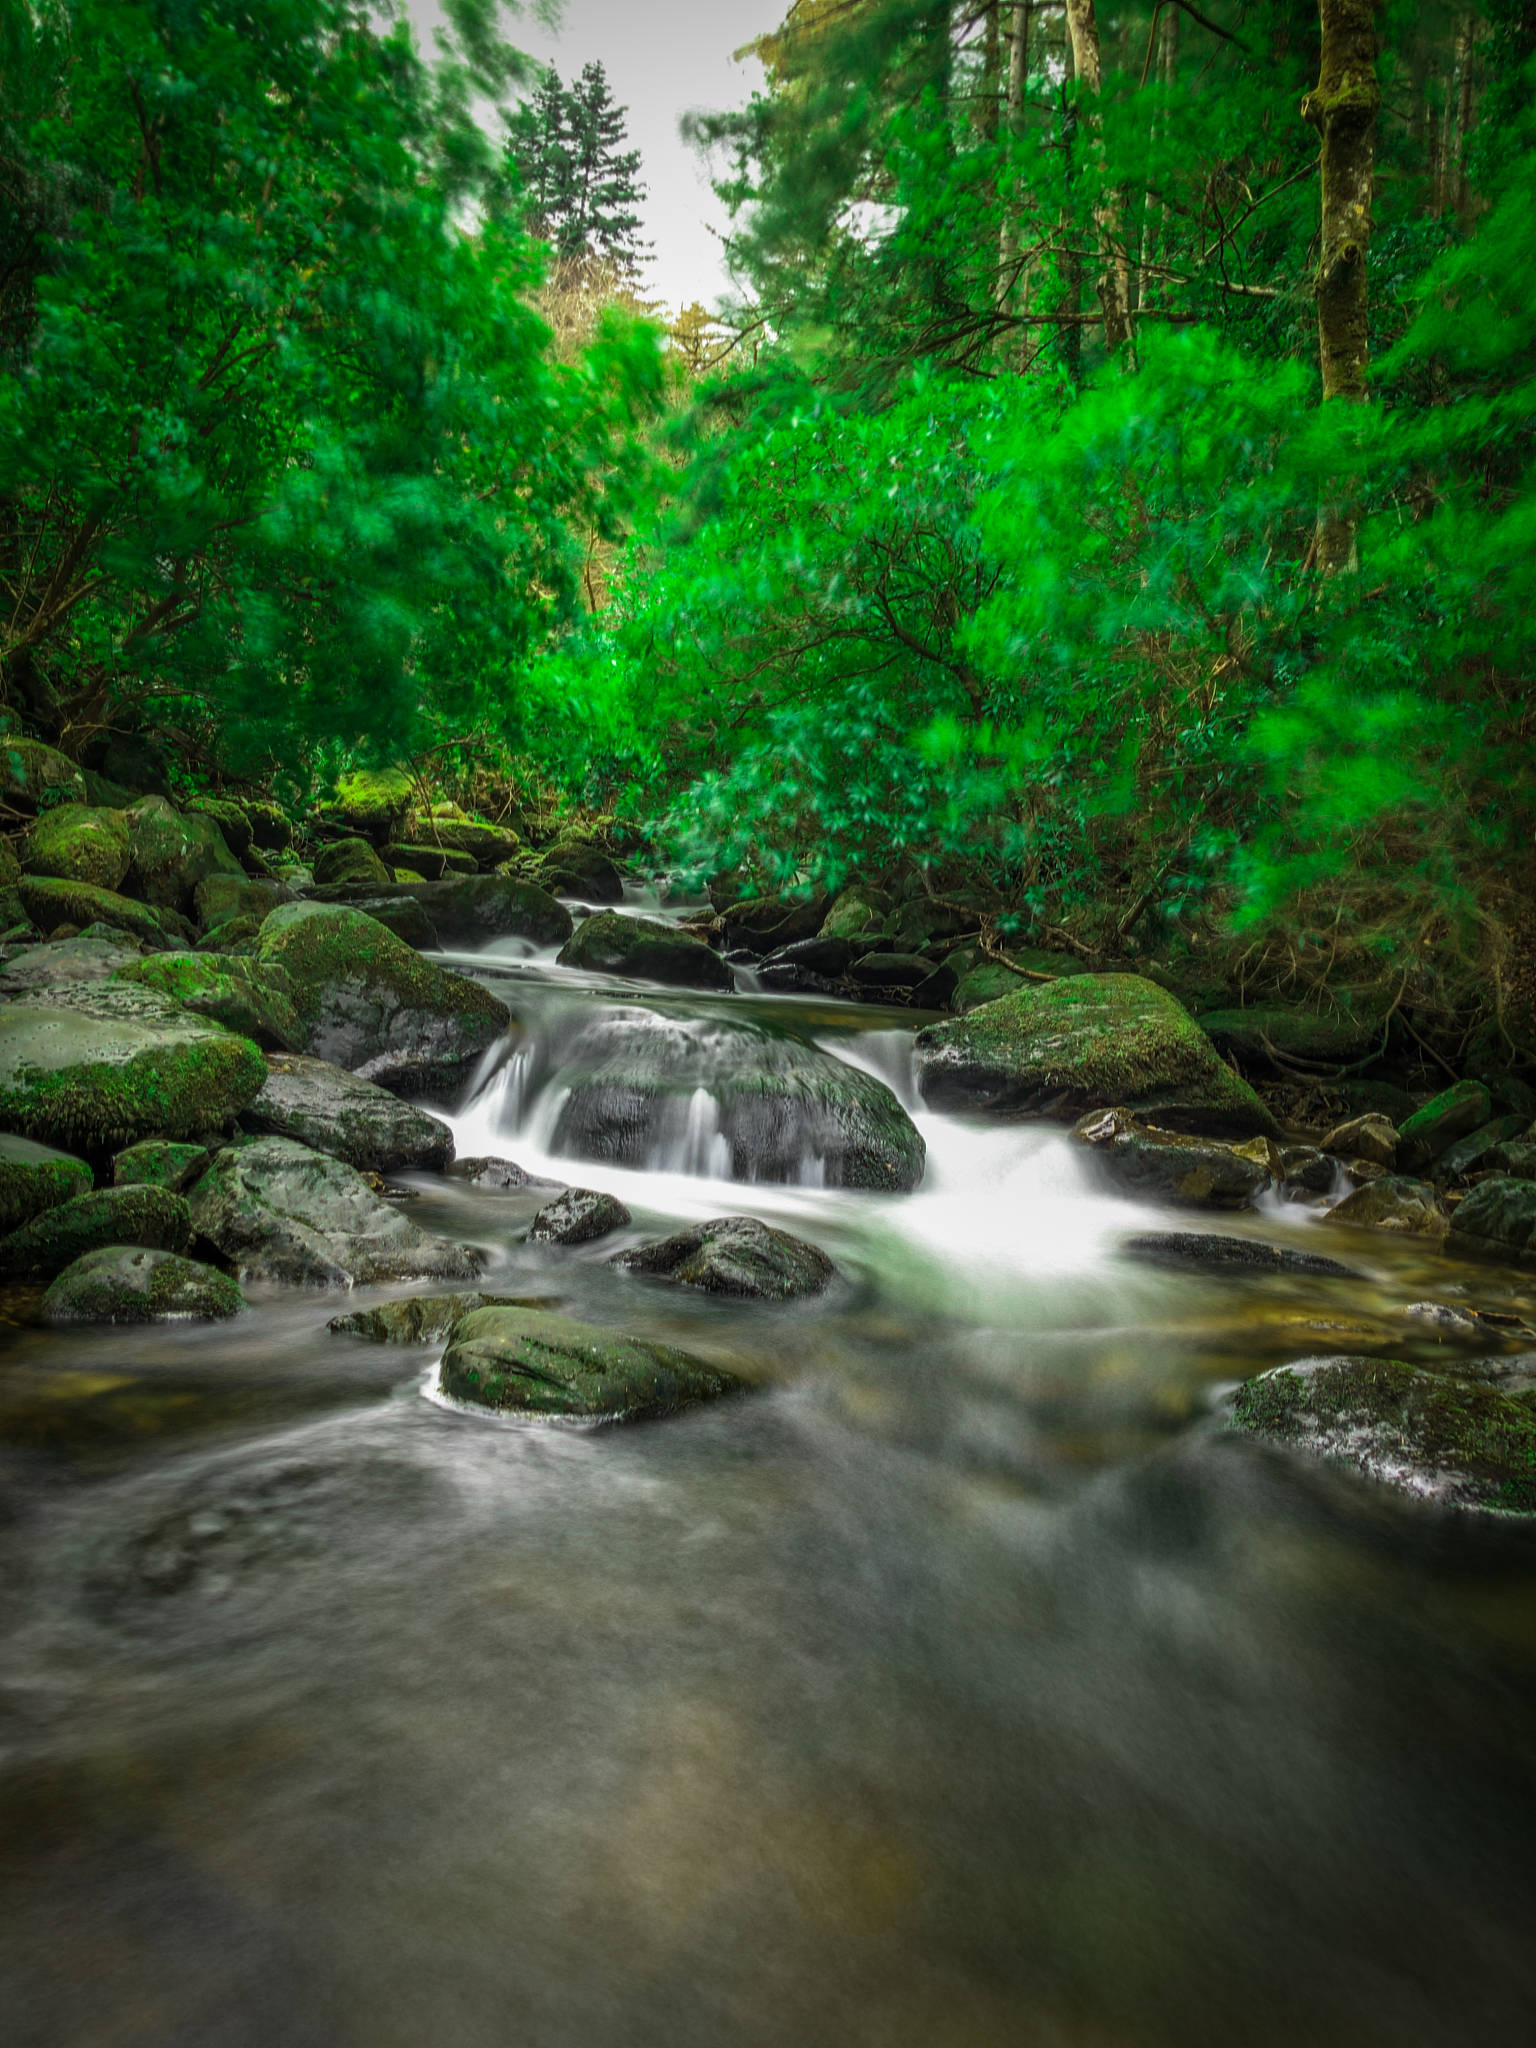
1410,1207
486,844
36,1177
579,1216
106,1216
51,901
78,844
102,1064
221,897
985,984
332,1111
172,852
1170,1166
271,827
432,863
734,1255
1266,1035
419,1318
858,912
127,1284
462,911
641,949
765,923
351,862
279,1211
577,869
375,802
522,1361
369,1003
1087,1041
732,1101
160,1163
241,994
1455,1442
37,776
1454,1113
231,818
97,953
1498,1220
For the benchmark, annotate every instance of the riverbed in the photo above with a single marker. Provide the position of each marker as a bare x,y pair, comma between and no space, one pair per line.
961,1684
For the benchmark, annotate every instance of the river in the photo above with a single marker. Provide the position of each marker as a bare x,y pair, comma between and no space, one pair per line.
962,1685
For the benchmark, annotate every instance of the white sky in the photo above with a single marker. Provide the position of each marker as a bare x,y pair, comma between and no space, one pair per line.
664,59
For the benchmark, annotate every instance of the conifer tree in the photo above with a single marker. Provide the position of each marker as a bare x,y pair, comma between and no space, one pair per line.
582,186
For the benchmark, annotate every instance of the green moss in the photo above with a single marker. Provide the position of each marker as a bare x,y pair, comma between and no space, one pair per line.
373,801
75,843
323,944
160,1163
51,901
643,950
430,863
234,991
350,861
40,773
107,1216
35,1177
123,1284
522,1361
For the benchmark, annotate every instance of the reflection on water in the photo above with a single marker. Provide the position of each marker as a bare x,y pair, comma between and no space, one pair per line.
961,1687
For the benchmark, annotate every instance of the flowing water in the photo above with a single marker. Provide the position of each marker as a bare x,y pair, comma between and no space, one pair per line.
962,1685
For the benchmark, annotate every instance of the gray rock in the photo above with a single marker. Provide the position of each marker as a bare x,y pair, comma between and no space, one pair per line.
420,1318
521,1361
332,1111
577,1217
734,1255
1372,1137
1498,1220
1410,1207
640,949
463,911
92,957
1455,1113
1209,1253
1200,1173
172,851
127,1284
160,1163
500,1176
243,995
106,1216
279,1211
34,1178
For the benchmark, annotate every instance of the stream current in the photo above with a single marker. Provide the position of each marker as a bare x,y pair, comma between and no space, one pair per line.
962,1685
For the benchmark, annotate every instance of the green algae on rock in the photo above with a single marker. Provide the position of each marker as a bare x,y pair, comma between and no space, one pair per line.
422,1318
101,1064
172,852
160,1163
1201,1173
1087,1041
39,775
239,993
350,862
106,1216
1454,1113
527,1362
36,1177
332,1111
75,843
641,949
1457,1442
734,1255
129,1284
51,901
369,1003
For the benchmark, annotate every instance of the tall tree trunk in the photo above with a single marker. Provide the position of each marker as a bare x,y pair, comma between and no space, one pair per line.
1115,278
1457,192
1343,110
1014,75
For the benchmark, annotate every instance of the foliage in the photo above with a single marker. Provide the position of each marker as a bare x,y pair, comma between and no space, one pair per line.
581,186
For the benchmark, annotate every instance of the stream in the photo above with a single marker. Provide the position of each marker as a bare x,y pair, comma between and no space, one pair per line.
961,1685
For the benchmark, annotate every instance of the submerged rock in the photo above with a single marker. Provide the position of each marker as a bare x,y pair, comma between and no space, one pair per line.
107,1216
522,1361
734,1255
330,1110
1457,1442
729,1100
160,1163
279,1211
1497,1220
126,1284
640,949
1087,1041
1411,1207
241,994
1170,1166
1209,1253
577,1217
34,1178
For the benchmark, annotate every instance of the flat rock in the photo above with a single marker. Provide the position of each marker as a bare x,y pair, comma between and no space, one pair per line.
1170,1166
734,1255
34,1178
577,1217
148,1216
330,1110
1213,1254
127,1284
91,957
526,1362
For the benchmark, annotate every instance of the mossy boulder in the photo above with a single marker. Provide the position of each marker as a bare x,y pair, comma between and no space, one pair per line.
97,953
101,1064
10,866
858,912
1476,1151
1498,1220
521,1361
231,818
486,844
765,923
641,949
127,1284
578,1216
38,777
1456,1442
1454,1113
735,1255
419,1318
469,911
51,902
332,1111
218,898
1139,1159
78,844
350,862
279,1211
577,869
241,994
271,827
1204,1252
732,1101
375,802
234,935
1410,1207
105,1216
34,1178
985,984
900,972
160,1163
1266,1035
369,1003
1087,1041
430,862
172,852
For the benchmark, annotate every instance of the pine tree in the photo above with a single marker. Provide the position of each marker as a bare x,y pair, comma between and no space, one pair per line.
539,148
581,185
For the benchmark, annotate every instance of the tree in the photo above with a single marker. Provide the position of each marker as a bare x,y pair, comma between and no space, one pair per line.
581,186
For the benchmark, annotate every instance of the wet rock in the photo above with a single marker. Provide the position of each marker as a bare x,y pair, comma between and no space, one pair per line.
1474,1152
332,1111
890,970
575,869
75,843
1203,1173
219,898
731,1100
640,949
785,978
34,1178
279,1211
521,1361
396,912
126,1284
858,912
1517,1159
1453,1441
369,1003
1372,1137
420,1318
351,861
578,1217
829,958
1305,1172
1498,1220
92,957
232,990
464,911
1410,1207
38,776
160,1163
102,1064
51,903
501,1176
106,1216
1453,1114
766,924
1087,1041
172,851
1472,1323
734,1255
1212,1254
486,844
432,863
